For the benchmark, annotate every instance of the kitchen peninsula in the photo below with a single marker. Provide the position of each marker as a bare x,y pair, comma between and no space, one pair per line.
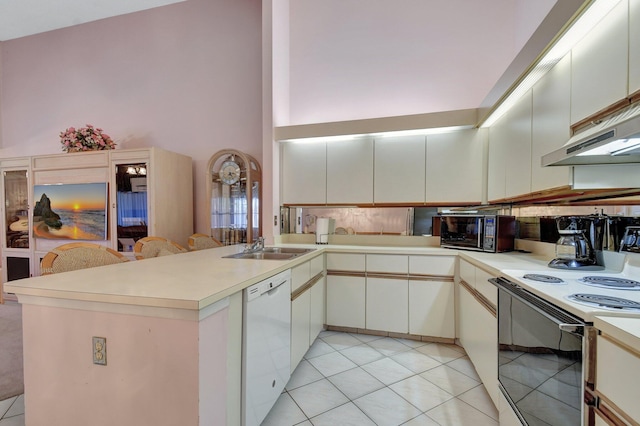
173,329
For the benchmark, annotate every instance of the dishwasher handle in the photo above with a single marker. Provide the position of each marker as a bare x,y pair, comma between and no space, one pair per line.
273,289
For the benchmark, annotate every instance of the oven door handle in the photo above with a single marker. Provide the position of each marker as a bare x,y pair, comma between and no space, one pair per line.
575,329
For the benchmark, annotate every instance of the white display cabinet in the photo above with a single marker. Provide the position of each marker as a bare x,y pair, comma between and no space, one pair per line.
160,181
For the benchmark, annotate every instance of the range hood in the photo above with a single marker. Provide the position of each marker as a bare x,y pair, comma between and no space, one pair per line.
615,140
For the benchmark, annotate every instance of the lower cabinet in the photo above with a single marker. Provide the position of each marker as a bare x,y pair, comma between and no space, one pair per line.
431,311
617,373
307,307
346,301
392,293
387,304
300,330
478,334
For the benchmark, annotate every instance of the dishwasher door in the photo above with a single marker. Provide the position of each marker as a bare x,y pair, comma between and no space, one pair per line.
266,352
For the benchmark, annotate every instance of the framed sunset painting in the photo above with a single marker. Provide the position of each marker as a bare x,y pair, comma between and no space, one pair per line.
70,211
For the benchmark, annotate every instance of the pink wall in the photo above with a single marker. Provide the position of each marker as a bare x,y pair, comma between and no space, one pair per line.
184,77
153,374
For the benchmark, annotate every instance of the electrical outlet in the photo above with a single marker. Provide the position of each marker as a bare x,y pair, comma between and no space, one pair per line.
100,350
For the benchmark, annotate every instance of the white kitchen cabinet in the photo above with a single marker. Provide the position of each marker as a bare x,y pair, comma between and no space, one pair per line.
307,306
317,309
478,325
478,334
431,308
346,301
399,169
304,173
387,306
634,46
300,327
550,126
387,297
615,384
350,172
509,172
432,265
599,69
497,158
346,262
455,166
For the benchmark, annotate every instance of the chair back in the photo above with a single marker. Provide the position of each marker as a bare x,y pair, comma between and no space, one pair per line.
149,247
202,242
78,255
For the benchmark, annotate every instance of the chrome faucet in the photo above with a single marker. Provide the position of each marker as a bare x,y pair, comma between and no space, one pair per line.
258,245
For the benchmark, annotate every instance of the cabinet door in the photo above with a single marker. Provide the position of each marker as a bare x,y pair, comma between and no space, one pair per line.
346,301
431,308
299,327
399,172
432,265
497,158
634,46
387,305
509,172
600,65
454,166
518,161
346,262
550,126
317,309
304,173
478,331
388,263
350,172
300,274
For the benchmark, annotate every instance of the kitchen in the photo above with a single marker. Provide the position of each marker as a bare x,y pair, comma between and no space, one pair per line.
502,177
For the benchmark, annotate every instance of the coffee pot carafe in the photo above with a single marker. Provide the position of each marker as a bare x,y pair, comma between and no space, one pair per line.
573,248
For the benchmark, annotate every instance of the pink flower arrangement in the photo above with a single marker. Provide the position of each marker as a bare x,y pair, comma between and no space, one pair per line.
85,139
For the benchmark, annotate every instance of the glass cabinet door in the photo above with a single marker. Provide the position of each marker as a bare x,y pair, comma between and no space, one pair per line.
235,191
131,204
16,195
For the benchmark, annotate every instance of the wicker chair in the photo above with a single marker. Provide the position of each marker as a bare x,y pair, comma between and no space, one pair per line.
80,255
202,241
149,247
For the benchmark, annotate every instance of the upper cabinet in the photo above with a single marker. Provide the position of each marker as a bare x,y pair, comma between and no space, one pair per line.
634,46
388,170
550,125
454,167
599,72
350,172
304,173
399,169
509,167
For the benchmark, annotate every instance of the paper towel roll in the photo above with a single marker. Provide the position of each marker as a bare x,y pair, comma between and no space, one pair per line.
324,227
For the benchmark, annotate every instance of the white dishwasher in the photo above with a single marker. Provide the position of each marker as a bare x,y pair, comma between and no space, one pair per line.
266,345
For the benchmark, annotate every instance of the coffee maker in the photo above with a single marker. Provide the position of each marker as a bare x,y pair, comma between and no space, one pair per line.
574,248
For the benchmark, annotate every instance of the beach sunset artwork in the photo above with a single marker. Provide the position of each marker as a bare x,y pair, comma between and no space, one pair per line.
70,211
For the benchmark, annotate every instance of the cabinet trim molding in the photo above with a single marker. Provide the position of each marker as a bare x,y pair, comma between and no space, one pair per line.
391,275
486,303
612,412
340,273
306,286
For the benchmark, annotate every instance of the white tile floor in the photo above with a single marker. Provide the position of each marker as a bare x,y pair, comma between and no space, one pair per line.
361,380
12,411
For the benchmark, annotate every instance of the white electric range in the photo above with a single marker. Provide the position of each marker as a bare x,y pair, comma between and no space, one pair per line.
585,293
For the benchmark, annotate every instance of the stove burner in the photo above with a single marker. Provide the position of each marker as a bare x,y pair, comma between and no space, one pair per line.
602,301
548,279
611,282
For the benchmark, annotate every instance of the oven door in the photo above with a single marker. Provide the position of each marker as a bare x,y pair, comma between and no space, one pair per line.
462,232
540,358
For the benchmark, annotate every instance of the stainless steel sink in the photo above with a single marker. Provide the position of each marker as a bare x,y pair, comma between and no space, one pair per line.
272,253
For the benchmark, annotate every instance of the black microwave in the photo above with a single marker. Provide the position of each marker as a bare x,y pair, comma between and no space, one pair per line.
490,233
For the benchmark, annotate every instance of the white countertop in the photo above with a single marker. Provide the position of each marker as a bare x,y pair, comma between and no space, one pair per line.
625,330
